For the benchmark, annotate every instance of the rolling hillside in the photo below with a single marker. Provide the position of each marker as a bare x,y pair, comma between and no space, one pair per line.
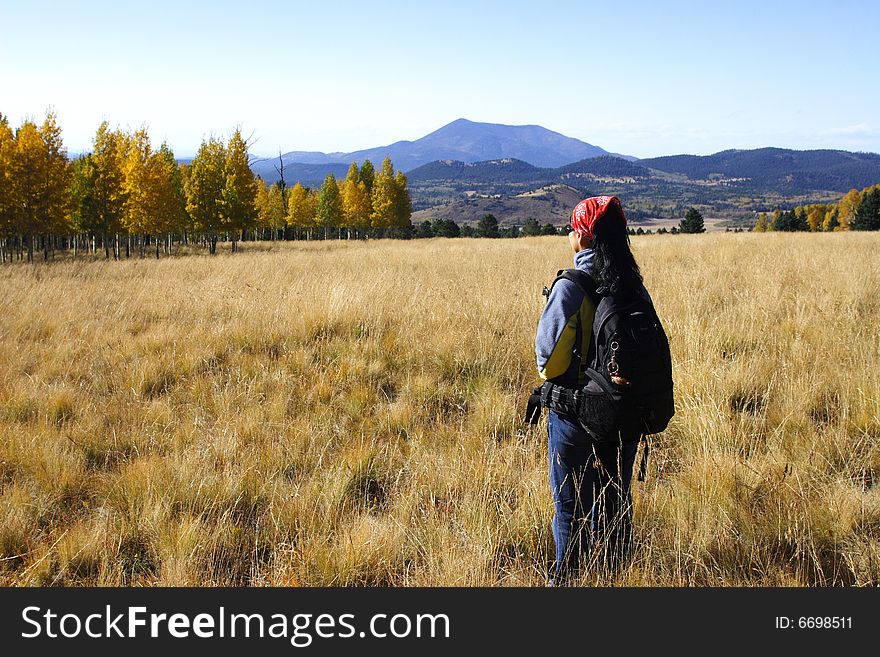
467,169
550,204
778,168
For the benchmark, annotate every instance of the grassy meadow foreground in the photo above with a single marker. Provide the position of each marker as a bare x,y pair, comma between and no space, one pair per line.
342,413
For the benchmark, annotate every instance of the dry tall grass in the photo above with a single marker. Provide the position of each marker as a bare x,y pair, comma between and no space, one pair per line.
349,414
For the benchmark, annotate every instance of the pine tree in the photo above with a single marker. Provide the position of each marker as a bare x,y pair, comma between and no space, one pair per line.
488,226
791,221
867,216
531,227
445,228
761,223
366,175
329,211
784,222
692,222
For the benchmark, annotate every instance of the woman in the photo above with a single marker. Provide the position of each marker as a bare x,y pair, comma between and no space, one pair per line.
590,480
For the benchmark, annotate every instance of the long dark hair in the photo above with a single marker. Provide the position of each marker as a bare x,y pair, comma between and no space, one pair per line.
614,266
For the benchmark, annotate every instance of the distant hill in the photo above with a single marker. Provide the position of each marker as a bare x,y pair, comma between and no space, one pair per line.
517,171
310,175
506,170
604,166
552,203
461,140
778,168
467,169
731,184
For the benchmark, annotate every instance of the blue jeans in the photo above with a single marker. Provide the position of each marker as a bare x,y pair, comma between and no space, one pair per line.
591,494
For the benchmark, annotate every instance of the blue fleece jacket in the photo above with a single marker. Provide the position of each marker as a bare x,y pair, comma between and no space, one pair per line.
558,328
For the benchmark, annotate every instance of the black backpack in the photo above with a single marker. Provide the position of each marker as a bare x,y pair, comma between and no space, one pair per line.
628,341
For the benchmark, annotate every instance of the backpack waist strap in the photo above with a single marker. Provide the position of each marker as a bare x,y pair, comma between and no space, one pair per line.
561,399
555,397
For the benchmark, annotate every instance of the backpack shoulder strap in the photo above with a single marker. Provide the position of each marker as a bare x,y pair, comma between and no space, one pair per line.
582,280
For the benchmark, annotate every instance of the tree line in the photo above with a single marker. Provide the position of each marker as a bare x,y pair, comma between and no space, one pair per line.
126,195
368,203
488,226
857,210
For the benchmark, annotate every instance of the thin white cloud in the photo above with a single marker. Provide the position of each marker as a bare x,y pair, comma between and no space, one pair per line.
856,130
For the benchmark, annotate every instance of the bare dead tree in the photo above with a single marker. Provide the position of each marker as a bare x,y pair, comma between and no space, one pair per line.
280,171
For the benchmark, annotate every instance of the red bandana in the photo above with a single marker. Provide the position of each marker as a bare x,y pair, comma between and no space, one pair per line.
588,211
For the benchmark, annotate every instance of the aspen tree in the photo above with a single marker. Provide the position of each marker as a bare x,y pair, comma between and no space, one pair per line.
139,188
29,171
168,202
55,206
355,201
109,184
277,217
847,207
204,190
7,207
261,201
301,209
329,211
239,209
383,197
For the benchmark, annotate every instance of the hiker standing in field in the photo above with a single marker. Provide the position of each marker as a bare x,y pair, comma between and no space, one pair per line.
601,390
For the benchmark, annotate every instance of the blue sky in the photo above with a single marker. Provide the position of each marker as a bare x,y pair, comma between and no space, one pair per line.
641,78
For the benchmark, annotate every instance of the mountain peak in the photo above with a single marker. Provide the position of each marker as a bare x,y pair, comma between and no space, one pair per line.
472,141
465,141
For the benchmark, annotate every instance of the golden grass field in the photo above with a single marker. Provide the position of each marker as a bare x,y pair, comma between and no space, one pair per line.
349,413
